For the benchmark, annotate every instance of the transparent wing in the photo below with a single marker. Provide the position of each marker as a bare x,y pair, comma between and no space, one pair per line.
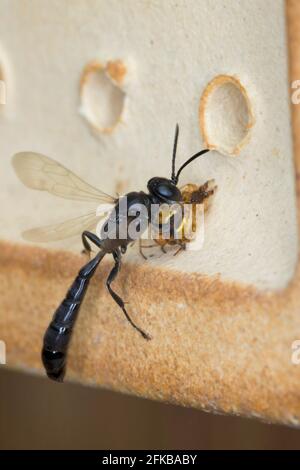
69,228
37,171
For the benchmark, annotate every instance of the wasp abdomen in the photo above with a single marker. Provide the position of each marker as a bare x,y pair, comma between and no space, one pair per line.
59,331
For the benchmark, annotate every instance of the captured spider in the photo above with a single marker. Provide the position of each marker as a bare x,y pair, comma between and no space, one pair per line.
180,235
40,172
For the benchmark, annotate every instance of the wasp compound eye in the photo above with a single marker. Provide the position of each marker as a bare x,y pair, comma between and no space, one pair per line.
164,189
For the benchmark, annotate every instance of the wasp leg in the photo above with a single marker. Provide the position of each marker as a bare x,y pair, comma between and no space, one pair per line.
117,299
93,238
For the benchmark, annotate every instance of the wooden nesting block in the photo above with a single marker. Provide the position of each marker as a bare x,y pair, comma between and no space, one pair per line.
100,90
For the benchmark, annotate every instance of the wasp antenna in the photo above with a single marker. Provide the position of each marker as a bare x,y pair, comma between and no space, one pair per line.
198,154
174,152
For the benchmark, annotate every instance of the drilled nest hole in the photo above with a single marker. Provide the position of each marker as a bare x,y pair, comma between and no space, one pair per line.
101,95
226,116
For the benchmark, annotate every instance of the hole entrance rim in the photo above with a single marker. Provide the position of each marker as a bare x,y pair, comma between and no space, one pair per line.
212,86
112,71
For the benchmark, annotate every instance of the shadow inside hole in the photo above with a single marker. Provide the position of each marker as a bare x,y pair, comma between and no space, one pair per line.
102,100
225,115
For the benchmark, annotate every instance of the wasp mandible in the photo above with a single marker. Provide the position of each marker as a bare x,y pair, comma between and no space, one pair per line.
39,172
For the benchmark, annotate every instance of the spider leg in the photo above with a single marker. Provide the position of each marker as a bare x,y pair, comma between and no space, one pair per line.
141,247
182,246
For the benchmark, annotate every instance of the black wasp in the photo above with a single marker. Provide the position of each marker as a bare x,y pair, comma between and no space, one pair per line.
40,172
